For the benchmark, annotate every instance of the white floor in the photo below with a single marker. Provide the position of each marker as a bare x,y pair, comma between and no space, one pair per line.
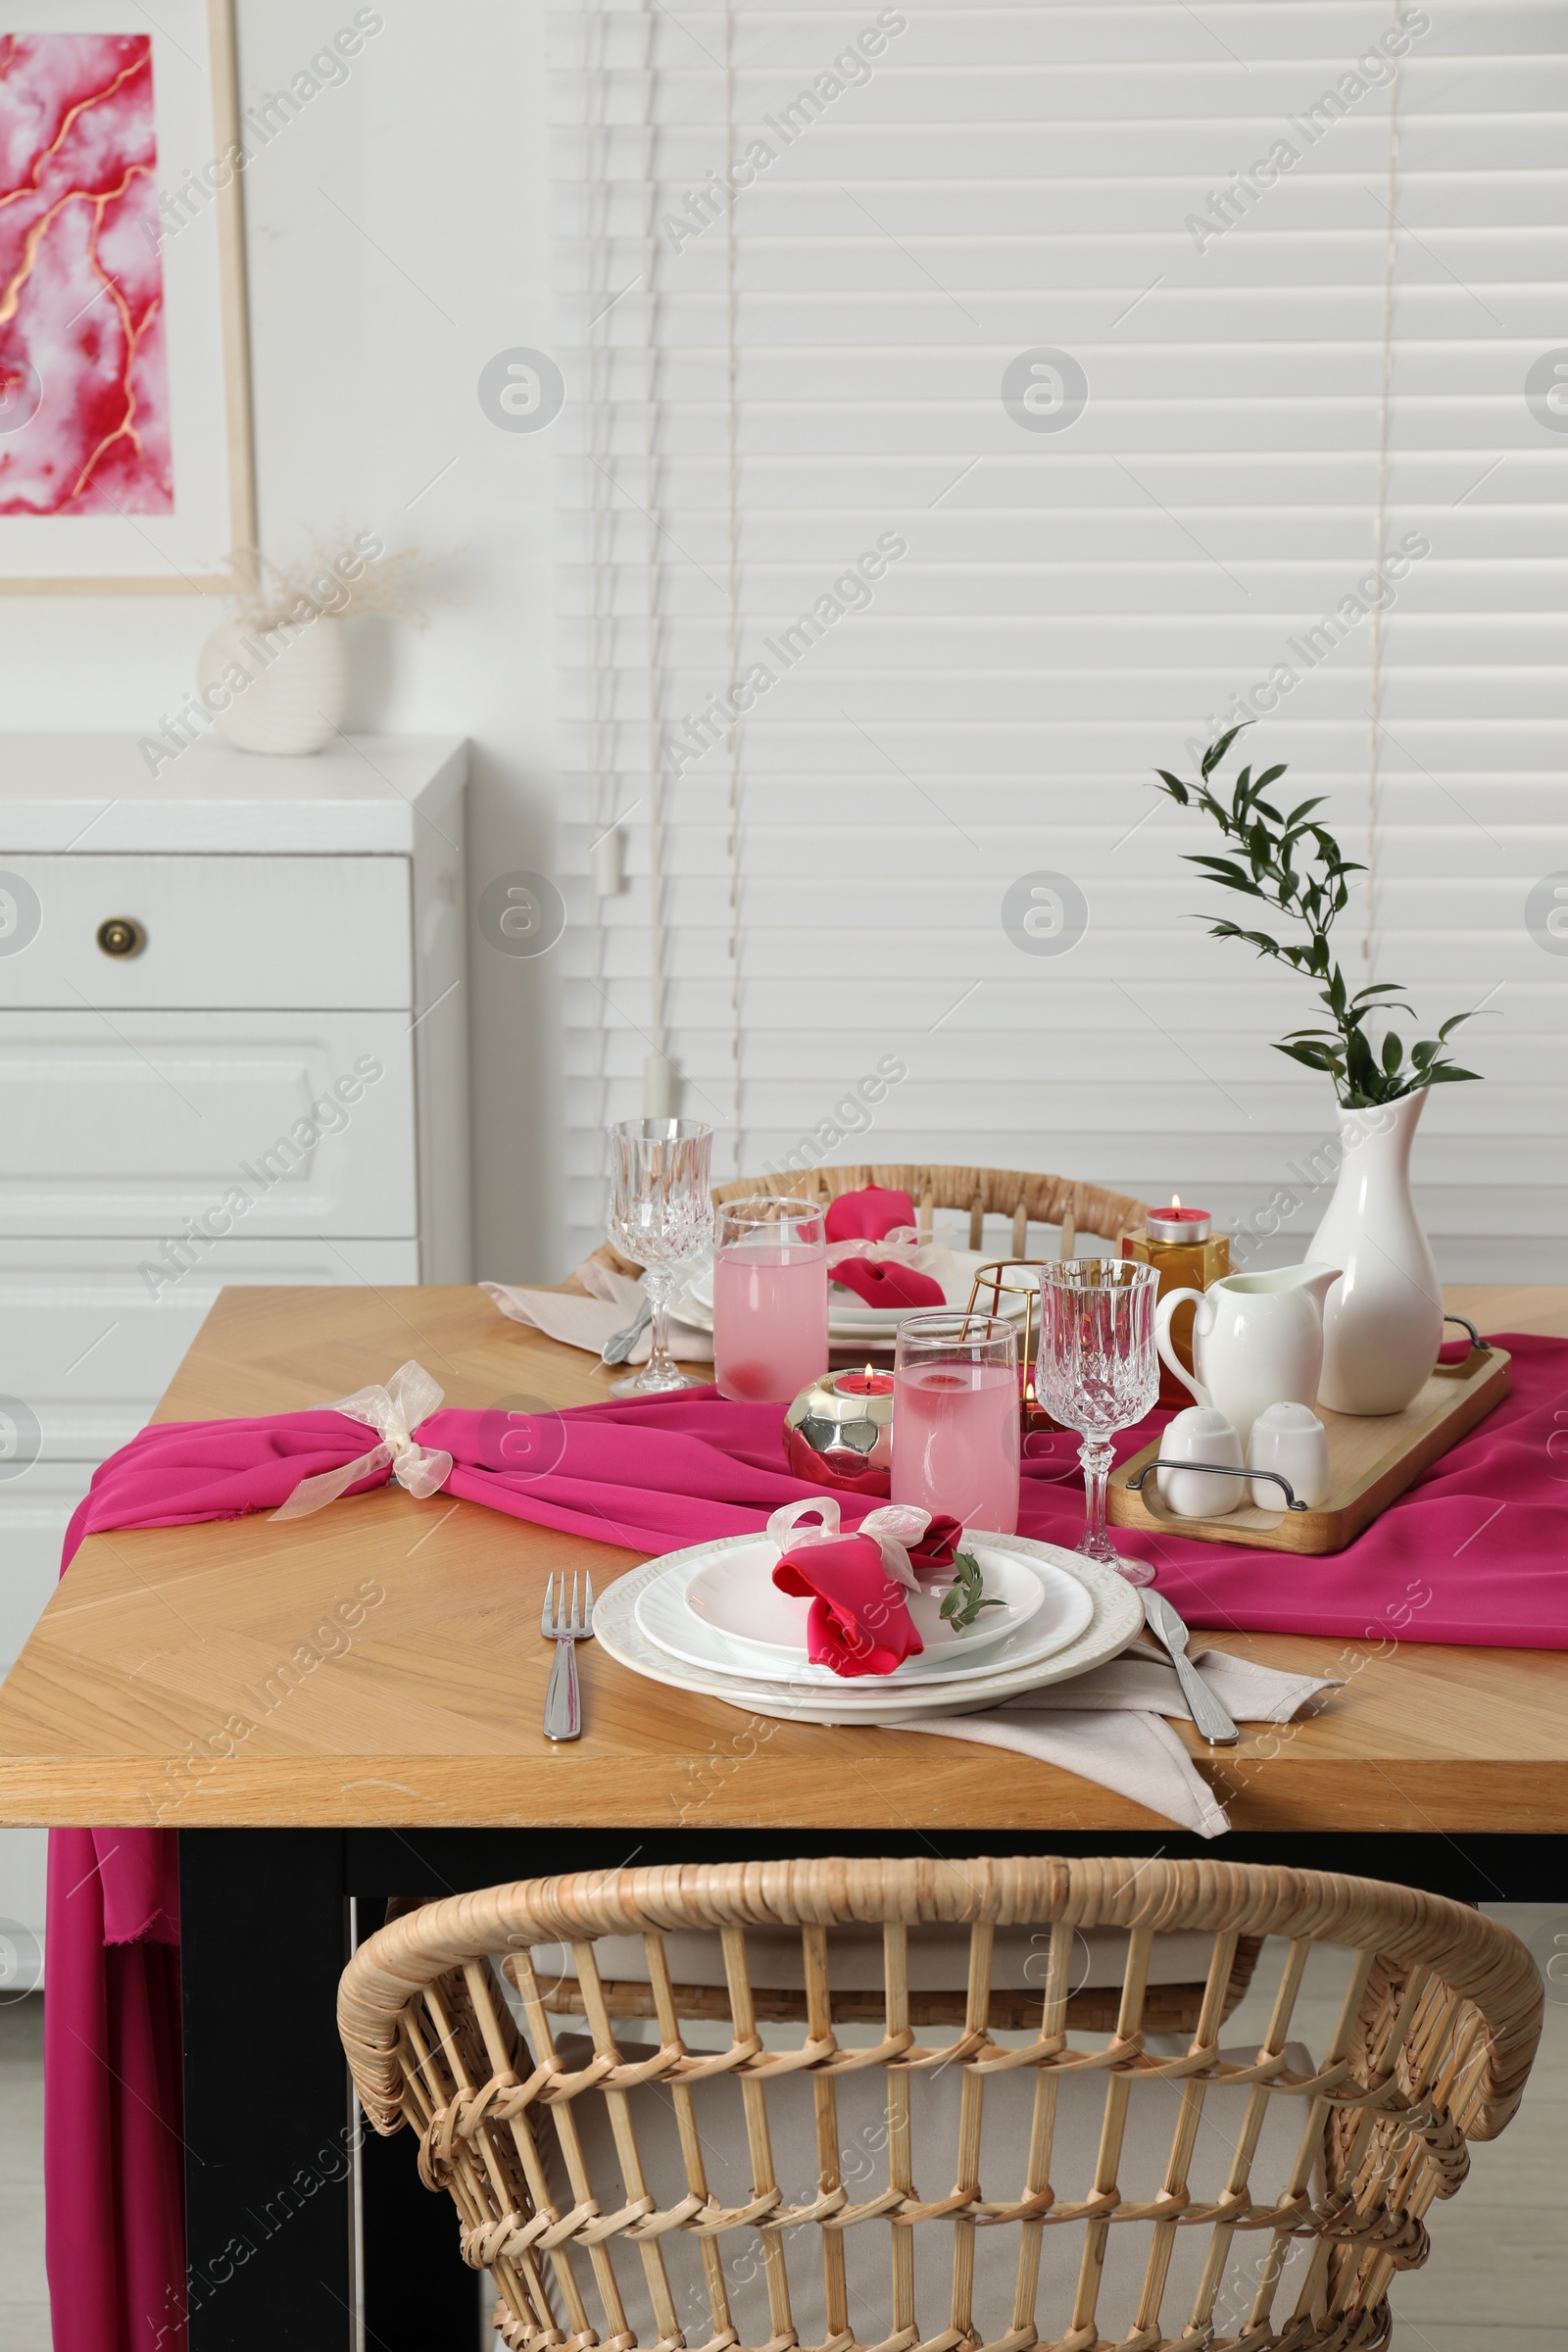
1498,2281
23,2292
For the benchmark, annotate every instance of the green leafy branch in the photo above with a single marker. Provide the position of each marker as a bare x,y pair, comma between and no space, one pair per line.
1293,864
965,1597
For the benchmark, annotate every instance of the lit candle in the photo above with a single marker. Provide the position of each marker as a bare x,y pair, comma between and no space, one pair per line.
870,1383
1181,1243
1178,1224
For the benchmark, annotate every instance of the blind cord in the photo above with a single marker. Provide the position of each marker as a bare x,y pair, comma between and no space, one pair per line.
735,739
1391,257
597,523
657,1022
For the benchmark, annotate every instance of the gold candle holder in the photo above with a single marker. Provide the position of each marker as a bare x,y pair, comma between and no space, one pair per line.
993,1278
1186,1254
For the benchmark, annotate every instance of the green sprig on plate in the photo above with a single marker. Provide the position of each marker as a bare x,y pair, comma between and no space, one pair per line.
965,1597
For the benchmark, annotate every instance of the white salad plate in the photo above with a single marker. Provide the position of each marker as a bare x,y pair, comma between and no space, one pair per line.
815,1694
1044,1611
735,1596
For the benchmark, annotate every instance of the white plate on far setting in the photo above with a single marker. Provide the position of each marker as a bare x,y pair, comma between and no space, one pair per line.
812,1694
849,1318
718,1609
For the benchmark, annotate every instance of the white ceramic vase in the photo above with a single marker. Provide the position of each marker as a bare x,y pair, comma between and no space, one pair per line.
284,694
1383,1322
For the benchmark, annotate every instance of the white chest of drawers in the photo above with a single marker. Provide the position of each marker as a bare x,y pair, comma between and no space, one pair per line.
273,1087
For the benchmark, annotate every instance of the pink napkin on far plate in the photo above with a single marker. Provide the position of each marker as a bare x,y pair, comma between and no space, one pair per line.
869,1215
883,1282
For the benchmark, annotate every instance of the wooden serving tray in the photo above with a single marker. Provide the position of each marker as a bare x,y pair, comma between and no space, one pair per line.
1372,1459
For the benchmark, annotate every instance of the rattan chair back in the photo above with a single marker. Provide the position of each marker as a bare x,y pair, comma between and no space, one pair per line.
1028,1200
626,2192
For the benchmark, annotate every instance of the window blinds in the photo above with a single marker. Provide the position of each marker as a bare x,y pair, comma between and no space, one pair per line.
972,408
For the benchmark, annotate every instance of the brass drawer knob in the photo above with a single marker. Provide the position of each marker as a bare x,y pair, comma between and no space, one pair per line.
120,935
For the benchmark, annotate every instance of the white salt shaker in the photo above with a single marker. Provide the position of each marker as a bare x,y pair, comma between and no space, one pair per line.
1202,1434
1291,1440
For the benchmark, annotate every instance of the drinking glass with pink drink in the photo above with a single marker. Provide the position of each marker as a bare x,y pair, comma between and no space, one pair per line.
956,1418
769,1298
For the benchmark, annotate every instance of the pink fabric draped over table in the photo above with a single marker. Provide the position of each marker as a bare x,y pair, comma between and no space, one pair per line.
1474,1553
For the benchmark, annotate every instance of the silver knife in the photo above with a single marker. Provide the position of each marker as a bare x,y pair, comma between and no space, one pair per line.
1168,1630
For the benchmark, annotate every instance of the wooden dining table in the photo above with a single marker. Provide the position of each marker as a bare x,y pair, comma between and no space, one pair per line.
387,1657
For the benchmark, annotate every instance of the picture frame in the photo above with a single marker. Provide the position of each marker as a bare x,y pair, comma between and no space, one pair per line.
140,482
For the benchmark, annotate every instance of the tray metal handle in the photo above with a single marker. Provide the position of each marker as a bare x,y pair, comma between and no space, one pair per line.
1218,1470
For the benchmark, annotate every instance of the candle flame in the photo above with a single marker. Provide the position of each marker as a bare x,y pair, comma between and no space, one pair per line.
868,1371
1175,1200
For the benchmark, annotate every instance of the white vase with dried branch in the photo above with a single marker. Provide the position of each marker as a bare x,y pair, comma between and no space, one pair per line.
274,679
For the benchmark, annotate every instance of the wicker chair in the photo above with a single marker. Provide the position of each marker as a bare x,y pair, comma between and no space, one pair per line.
764,2192
1058,1200
984,1192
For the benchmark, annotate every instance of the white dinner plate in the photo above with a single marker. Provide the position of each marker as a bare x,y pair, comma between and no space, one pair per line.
1117,1616
1045,1610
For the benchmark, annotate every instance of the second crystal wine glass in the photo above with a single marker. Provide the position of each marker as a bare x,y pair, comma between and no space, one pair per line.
1097,1372
659,1215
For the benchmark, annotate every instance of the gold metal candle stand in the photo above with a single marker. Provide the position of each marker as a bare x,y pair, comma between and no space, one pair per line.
992,1277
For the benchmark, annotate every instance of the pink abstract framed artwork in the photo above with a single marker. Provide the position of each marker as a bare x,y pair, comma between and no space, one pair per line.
124,434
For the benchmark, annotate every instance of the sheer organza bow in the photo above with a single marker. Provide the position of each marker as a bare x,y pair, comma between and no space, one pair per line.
893,1529
410,1396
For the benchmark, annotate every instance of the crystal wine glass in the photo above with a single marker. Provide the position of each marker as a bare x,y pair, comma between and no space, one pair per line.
660,1214
1097,1372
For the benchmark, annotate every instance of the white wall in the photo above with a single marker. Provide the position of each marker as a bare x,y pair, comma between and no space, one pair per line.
365,366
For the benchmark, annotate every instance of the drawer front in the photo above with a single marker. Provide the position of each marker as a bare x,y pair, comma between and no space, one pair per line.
91,1332
243,931
258,1124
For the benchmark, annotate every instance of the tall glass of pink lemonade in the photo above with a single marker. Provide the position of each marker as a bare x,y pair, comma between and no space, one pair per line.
769,1298
956,1418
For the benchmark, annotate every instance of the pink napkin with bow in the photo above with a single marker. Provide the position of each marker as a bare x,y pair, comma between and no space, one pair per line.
869,1215
858,1622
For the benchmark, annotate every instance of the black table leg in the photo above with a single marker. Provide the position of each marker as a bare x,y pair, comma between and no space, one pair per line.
268,2168
418,2291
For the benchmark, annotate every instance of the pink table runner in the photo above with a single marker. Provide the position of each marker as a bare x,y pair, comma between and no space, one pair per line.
1476,1553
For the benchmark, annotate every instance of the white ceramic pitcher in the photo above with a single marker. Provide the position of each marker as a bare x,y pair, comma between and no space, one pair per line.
1257,1340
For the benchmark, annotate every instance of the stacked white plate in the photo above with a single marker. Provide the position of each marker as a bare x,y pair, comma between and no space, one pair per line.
710,1619
851,1323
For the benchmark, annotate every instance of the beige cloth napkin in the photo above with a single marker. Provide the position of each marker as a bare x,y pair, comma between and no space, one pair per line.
589,1322
1109,1726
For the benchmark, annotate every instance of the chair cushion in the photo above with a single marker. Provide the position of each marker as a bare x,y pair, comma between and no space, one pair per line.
862,2136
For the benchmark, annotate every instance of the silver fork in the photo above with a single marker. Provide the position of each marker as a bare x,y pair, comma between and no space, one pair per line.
563,1701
